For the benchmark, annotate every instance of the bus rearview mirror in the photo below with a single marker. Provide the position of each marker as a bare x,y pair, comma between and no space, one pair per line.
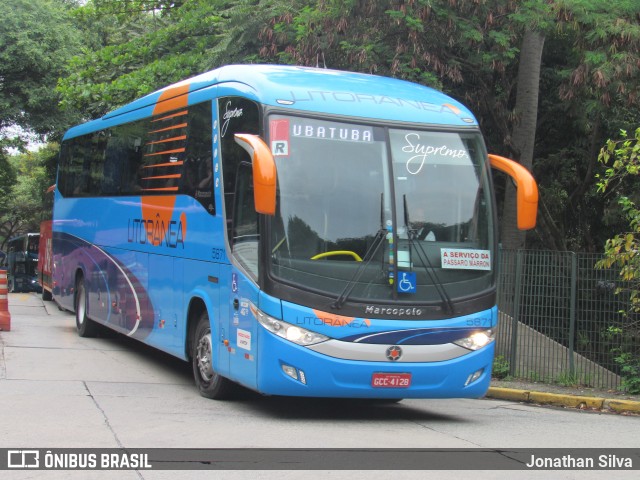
527,190
264,172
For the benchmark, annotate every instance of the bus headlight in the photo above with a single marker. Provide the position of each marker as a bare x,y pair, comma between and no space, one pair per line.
477,340
293,333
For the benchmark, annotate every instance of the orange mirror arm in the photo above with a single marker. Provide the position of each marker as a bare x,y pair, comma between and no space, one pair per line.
264,172
527,190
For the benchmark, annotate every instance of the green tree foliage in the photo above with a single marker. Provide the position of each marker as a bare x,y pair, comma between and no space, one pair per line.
24,206
619,185
136,49
591,83
36,40
145,45
622,159
7,180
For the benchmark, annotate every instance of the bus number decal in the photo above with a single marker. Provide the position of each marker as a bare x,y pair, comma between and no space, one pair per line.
479,322
218,254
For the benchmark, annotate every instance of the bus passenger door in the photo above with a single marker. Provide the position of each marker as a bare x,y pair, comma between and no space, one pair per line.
244,238
243,329
220,339
240,115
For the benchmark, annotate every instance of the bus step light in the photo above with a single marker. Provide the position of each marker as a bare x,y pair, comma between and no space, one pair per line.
473,377
294,373
5,316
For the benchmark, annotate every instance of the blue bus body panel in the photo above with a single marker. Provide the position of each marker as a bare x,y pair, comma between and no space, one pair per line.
334,377
131,281
305,89
331,377
390,332
243,330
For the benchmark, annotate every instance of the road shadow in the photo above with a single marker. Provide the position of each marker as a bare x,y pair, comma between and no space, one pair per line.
343,409
285,408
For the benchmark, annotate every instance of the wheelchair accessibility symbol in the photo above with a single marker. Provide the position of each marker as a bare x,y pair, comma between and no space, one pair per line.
407,282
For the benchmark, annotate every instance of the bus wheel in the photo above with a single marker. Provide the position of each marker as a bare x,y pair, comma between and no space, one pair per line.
210,384
85,326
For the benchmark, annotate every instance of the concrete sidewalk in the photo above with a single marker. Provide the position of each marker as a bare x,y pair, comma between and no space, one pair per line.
28,307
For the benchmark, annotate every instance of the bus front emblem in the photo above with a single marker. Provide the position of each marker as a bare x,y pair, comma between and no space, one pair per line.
394,353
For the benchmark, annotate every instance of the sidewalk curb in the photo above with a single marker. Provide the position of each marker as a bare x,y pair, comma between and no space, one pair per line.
560,400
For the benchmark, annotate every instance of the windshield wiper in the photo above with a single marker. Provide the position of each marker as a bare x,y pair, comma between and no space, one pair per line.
424,259
366,260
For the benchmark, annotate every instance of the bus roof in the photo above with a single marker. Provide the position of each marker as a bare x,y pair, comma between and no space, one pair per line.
325,91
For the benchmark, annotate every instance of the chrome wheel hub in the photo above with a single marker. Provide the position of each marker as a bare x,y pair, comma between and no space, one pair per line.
203,357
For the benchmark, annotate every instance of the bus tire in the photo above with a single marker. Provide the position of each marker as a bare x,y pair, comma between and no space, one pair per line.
85,326
209,383
46,295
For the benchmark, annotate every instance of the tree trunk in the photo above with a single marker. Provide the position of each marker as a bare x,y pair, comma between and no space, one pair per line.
524,130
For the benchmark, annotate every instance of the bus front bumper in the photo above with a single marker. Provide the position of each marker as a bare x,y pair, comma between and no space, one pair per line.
285,368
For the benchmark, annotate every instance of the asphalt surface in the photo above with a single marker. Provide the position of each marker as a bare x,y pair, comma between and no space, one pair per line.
22,305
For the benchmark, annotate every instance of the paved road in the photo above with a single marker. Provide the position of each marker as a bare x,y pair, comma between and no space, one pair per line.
59,390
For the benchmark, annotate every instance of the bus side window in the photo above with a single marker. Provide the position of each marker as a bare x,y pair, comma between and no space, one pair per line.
197,171
236,115
244,227
123,157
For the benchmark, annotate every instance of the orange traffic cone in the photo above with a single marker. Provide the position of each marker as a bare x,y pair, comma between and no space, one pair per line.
5,317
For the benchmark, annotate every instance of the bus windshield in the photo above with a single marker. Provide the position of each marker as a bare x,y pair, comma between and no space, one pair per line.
371,209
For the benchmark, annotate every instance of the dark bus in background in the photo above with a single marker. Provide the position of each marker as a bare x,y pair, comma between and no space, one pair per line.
22,262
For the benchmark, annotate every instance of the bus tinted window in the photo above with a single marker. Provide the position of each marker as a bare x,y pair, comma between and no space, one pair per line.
237,115
167,154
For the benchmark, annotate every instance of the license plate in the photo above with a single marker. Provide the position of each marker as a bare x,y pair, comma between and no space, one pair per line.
391,380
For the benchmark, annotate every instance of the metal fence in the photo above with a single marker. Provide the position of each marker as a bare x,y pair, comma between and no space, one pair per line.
556,313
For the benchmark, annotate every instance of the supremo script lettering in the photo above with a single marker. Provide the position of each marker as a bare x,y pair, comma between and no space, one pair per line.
420,152
230,112
155,232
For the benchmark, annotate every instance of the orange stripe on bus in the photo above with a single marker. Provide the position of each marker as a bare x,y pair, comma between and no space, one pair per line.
173,115
166,140
174,127
170,164
173,175
177,150
172,98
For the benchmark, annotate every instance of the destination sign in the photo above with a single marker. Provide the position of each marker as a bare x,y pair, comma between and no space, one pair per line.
283,130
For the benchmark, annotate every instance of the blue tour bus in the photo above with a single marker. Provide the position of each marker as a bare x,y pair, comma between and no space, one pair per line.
293,230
